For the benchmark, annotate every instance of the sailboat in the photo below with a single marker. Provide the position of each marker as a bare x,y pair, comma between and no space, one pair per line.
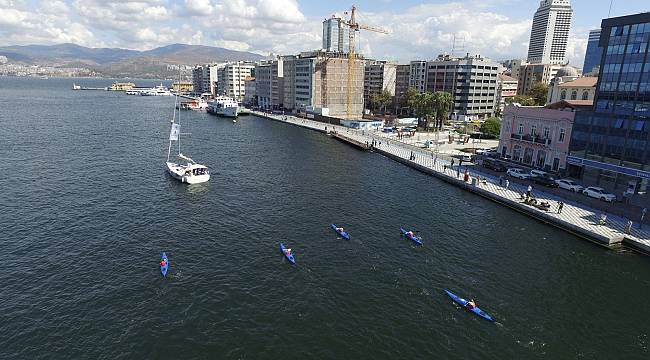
187,171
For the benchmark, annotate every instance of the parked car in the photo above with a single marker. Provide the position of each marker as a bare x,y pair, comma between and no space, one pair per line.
545,180
518,173
570,185
536,173
494,165
599,193
465,157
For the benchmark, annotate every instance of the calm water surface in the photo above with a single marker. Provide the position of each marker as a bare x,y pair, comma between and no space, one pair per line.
87,208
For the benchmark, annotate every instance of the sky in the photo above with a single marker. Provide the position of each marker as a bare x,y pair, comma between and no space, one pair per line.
497,29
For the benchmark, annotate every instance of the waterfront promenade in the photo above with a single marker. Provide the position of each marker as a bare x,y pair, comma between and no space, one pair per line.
575,218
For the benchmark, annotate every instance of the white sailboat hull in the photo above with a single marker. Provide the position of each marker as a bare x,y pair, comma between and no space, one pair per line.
183,173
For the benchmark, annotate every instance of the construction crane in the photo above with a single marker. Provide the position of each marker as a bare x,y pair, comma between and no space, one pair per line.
352,56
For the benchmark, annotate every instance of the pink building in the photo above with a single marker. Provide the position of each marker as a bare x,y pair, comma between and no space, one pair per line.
536,136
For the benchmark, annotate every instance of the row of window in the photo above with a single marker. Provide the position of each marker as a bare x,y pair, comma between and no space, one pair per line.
574,95
633,29
545,133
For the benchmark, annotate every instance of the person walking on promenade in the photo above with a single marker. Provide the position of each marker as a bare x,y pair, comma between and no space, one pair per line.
507,184
501,180
560,205
458,171
643,212
444,168
529,191
603,219
466,177
628,227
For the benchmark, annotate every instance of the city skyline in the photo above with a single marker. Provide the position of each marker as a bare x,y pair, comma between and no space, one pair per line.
498,29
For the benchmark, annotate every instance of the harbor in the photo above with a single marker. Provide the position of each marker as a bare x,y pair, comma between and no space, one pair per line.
575,218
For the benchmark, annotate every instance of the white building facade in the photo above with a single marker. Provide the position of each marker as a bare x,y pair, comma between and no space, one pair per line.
550,32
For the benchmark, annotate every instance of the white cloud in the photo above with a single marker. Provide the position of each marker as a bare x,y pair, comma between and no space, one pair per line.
278,26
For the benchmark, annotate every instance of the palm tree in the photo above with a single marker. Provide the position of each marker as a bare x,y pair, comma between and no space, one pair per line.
424,107
442,103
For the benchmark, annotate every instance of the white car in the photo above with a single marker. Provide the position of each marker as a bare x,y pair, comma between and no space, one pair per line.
570,185
518,173
466,158
599,193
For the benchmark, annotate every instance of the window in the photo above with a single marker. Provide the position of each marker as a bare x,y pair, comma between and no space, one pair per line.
521,129
585,95
562,135
574,95
546,132
563,95
533,130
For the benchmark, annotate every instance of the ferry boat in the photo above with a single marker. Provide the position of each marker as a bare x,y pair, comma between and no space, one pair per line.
224,106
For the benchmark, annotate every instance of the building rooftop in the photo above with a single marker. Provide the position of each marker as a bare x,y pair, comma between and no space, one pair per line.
504,77
587,81
572,104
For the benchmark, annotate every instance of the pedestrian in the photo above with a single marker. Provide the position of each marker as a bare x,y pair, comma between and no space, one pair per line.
529,191
458,171
560,205
466,177
603,219
507,183
444,167
628,227
452,163
478,180
501,180
643,212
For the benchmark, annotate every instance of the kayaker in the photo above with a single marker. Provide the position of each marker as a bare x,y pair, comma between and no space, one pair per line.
410,234
340,229
288,252
163,263
471,304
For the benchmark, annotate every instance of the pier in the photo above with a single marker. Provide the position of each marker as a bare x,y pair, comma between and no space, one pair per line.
575,218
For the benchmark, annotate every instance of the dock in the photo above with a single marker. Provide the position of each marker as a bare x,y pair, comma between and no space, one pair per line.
575,218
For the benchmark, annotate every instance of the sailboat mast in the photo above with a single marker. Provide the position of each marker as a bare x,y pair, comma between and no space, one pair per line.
178,91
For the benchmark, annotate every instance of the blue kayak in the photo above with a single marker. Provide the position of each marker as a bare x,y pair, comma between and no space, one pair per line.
163,269
462,302
342,234
288,256
413,238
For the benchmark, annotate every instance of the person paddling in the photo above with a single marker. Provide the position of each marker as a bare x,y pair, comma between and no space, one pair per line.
471,304
163,262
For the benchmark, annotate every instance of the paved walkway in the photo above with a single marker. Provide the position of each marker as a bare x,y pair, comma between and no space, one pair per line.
575,214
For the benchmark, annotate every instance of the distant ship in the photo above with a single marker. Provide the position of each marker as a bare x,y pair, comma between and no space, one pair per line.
159,90
224,106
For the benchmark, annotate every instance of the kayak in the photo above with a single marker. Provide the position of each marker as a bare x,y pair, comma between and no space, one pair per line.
288,256
163,269
413,238
342,234
462,302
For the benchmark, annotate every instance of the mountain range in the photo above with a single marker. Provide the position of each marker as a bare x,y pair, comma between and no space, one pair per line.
123,62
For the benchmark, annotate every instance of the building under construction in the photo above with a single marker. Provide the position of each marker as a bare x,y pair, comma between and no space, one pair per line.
318,80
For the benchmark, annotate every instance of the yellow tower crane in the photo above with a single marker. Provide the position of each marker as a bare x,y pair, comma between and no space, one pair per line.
352,56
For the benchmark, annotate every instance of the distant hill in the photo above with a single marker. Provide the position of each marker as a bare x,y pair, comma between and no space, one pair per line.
123,62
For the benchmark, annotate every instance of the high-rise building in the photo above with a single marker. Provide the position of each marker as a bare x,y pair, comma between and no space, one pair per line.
379,77
319,79
231,78
269,85
201,79
610,145
550,32
418,75
336,35
471,80
531,74
593,53
402,75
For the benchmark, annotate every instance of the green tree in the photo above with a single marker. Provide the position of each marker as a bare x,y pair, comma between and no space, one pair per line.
424,107
491,128
382,100
539,93
409,99
523,100
442,103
